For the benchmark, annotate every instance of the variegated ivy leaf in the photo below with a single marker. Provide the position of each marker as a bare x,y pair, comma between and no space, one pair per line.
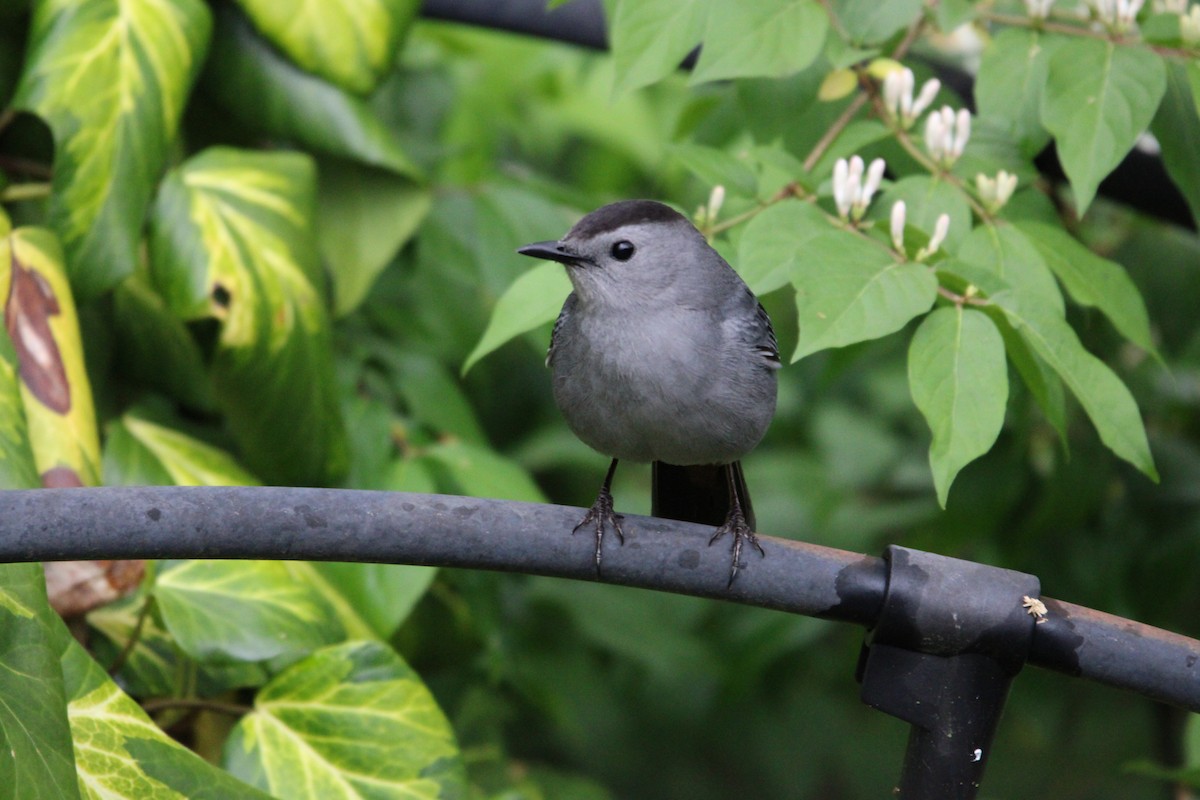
119,751
228,611
231,239
348,42
38,758
111,78
140,451
40,319
348,722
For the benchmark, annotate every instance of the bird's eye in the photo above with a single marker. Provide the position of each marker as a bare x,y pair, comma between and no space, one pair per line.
623,250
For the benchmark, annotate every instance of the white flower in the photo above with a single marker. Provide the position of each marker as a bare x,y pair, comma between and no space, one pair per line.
852,189
995,192
898,96
1170,6
716,199
1189,26
1117,15
940,228
946,134
1038,9
899,211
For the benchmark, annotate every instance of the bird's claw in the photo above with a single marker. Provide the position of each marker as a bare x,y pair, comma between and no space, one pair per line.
599,515
736,524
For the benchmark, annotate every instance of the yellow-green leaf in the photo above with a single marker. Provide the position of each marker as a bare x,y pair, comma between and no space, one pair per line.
348,722
111,77
39,315
348,42
120,754
232,240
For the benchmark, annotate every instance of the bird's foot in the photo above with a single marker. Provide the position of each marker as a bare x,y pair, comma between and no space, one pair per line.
736,524
599,516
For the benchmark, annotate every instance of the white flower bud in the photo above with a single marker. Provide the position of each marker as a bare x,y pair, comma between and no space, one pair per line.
928,92
899,213
870,186
986,187
841,198
1006,184
1171,7
995,192
854,183
1038,9
716,199
962,132
935,135
940,229
893,89
1189,27
906,89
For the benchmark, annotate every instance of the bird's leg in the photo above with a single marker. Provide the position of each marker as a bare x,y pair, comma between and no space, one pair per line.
601,514
736,524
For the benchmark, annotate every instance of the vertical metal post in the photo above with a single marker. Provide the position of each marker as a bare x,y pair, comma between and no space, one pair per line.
951,637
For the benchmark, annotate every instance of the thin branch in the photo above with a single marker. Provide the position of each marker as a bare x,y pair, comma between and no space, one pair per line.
25,166
134,637
1050,26
834,131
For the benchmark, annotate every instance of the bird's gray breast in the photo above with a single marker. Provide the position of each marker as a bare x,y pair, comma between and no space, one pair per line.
672,385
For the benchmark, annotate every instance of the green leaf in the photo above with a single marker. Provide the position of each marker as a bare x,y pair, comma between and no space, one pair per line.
850,290
266,93
716,167
157,350
776,241
434,397
231,239
871,22
1105,399
1009,87
1099,98
155,666
1007,253
925,199
121,753
351,722
1039,378
959,381
364,215
1177,128
351,43
767,38
38,759
533,299
111,79
651,37
139,452
371,600
481,472
223,611
1093,281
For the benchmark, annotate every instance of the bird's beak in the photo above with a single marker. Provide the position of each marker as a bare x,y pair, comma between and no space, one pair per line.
551,251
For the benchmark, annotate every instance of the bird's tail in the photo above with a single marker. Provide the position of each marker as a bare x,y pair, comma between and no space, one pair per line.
698,493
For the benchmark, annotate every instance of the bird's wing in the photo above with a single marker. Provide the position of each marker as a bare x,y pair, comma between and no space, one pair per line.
563,316
766,346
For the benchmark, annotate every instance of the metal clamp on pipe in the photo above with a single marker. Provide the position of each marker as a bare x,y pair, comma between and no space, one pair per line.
950,638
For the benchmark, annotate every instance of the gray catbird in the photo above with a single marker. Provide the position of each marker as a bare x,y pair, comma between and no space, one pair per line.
662,354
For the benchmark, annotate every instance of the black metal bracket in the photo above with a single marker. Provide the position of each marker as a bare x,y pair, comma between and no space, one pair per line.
951,637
